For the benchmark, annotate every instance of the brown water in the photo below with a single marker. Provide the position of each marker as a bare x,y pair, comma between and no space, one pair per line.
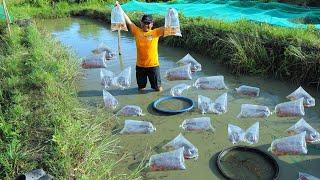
84,35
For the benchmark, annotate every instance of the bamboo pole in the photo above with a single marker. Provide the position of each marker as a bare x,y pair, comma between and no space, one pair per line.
119,47
7,16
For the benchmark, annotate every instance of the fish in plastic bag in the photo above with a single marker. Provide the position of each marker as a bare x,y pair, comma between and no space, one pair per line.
106,78
252,134
290,145
190,151
178,89
220,104
179,73
197,124
305,176
205,104
211,82
117,19
172,160
123,79
312,135
291,108
171,23
94,61
248,90
253,111
109,100
130,110
195,66
308,100
235,134
101,48
137,127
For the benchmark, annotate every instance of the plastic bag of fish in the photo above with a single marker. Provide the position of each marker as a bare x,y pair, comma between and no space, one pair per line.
171,23
137,127
172,160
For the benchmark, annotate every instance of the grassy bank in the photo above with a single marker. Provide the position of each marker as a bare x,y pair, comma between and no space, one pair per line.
42,123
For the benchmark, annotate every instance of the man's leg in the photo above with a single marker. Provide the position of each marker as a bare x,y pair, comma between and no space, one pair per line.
154,78
141,77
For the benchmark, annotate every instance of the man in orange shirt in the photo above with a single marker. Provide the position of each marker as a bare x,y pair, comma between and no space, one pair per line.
147,65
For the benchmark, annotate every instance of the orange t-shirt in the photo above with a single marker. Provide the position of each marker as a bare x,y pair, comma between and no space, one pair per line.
147,46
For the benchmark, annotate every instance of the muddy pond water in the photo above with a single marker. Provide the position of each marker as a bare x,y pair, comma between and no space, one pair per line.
83,35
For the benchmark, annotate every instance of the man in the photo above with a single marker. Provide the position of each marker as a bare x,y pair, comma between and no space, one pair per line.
147,64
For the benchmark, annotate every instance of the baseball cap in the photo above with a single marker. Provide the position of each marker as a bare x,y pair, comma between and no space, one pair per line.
147,18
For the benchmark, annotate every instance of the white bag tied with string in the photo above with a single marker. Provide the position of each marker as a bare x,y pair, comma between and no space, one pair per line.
211,82
308,100
137,127
94,61
235,134
172,160
171,24
253,111
109,101
195,66
248,90
117,19
123,79
130,110
178,89
101,48
179,73
190,151
290,109
312,135
106,78
197,124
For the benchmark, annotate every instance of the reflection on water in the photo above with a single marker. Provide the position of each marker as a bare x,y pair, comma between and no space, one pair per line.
82,36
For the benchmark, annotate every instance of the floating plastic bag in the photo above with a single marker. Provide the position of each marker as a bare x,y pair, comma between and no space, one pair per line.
291,108
101,48
94,61
109,100
253,111
179,73
220,104
172,160
305,176
117,19
248,90
211,82
205,104
252,134
106,78
308,100
188,59
137,127
311,134
171,24
178,89
123,79
190,151
290,145
130,110
235,134
197,124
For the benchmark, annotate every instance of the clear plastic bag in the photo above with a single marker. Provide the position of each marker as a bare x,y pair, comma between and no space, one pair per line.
172,160
178,89
190,151
312,135
130,110
291,108
137,127
94,61
220,104
179,73
248,90
253,111
106,78
197,124
195,66
290,145
252,134
235,134
101,48
109,101
117,19
171,24
211,82
123,79
205,104
308,100
305,176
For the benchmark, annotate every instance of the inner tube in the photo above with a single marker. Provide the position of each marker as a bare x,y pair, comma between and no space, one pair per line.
166,111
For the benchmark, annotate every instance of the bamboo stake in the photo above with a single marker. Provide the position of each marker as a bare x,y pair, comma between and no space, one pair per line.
119,48
7,16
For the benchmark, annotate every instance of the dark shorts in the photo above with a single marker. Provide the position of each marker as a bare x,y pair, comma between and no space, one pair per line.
151,73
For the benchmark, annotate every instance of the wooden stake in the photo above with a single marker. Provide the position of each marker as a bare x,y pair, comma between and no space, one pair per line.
7,16
119,48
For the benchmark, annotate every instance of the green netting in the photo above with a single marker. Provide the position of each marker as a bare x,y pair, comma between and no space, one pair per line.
273,13
2,15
